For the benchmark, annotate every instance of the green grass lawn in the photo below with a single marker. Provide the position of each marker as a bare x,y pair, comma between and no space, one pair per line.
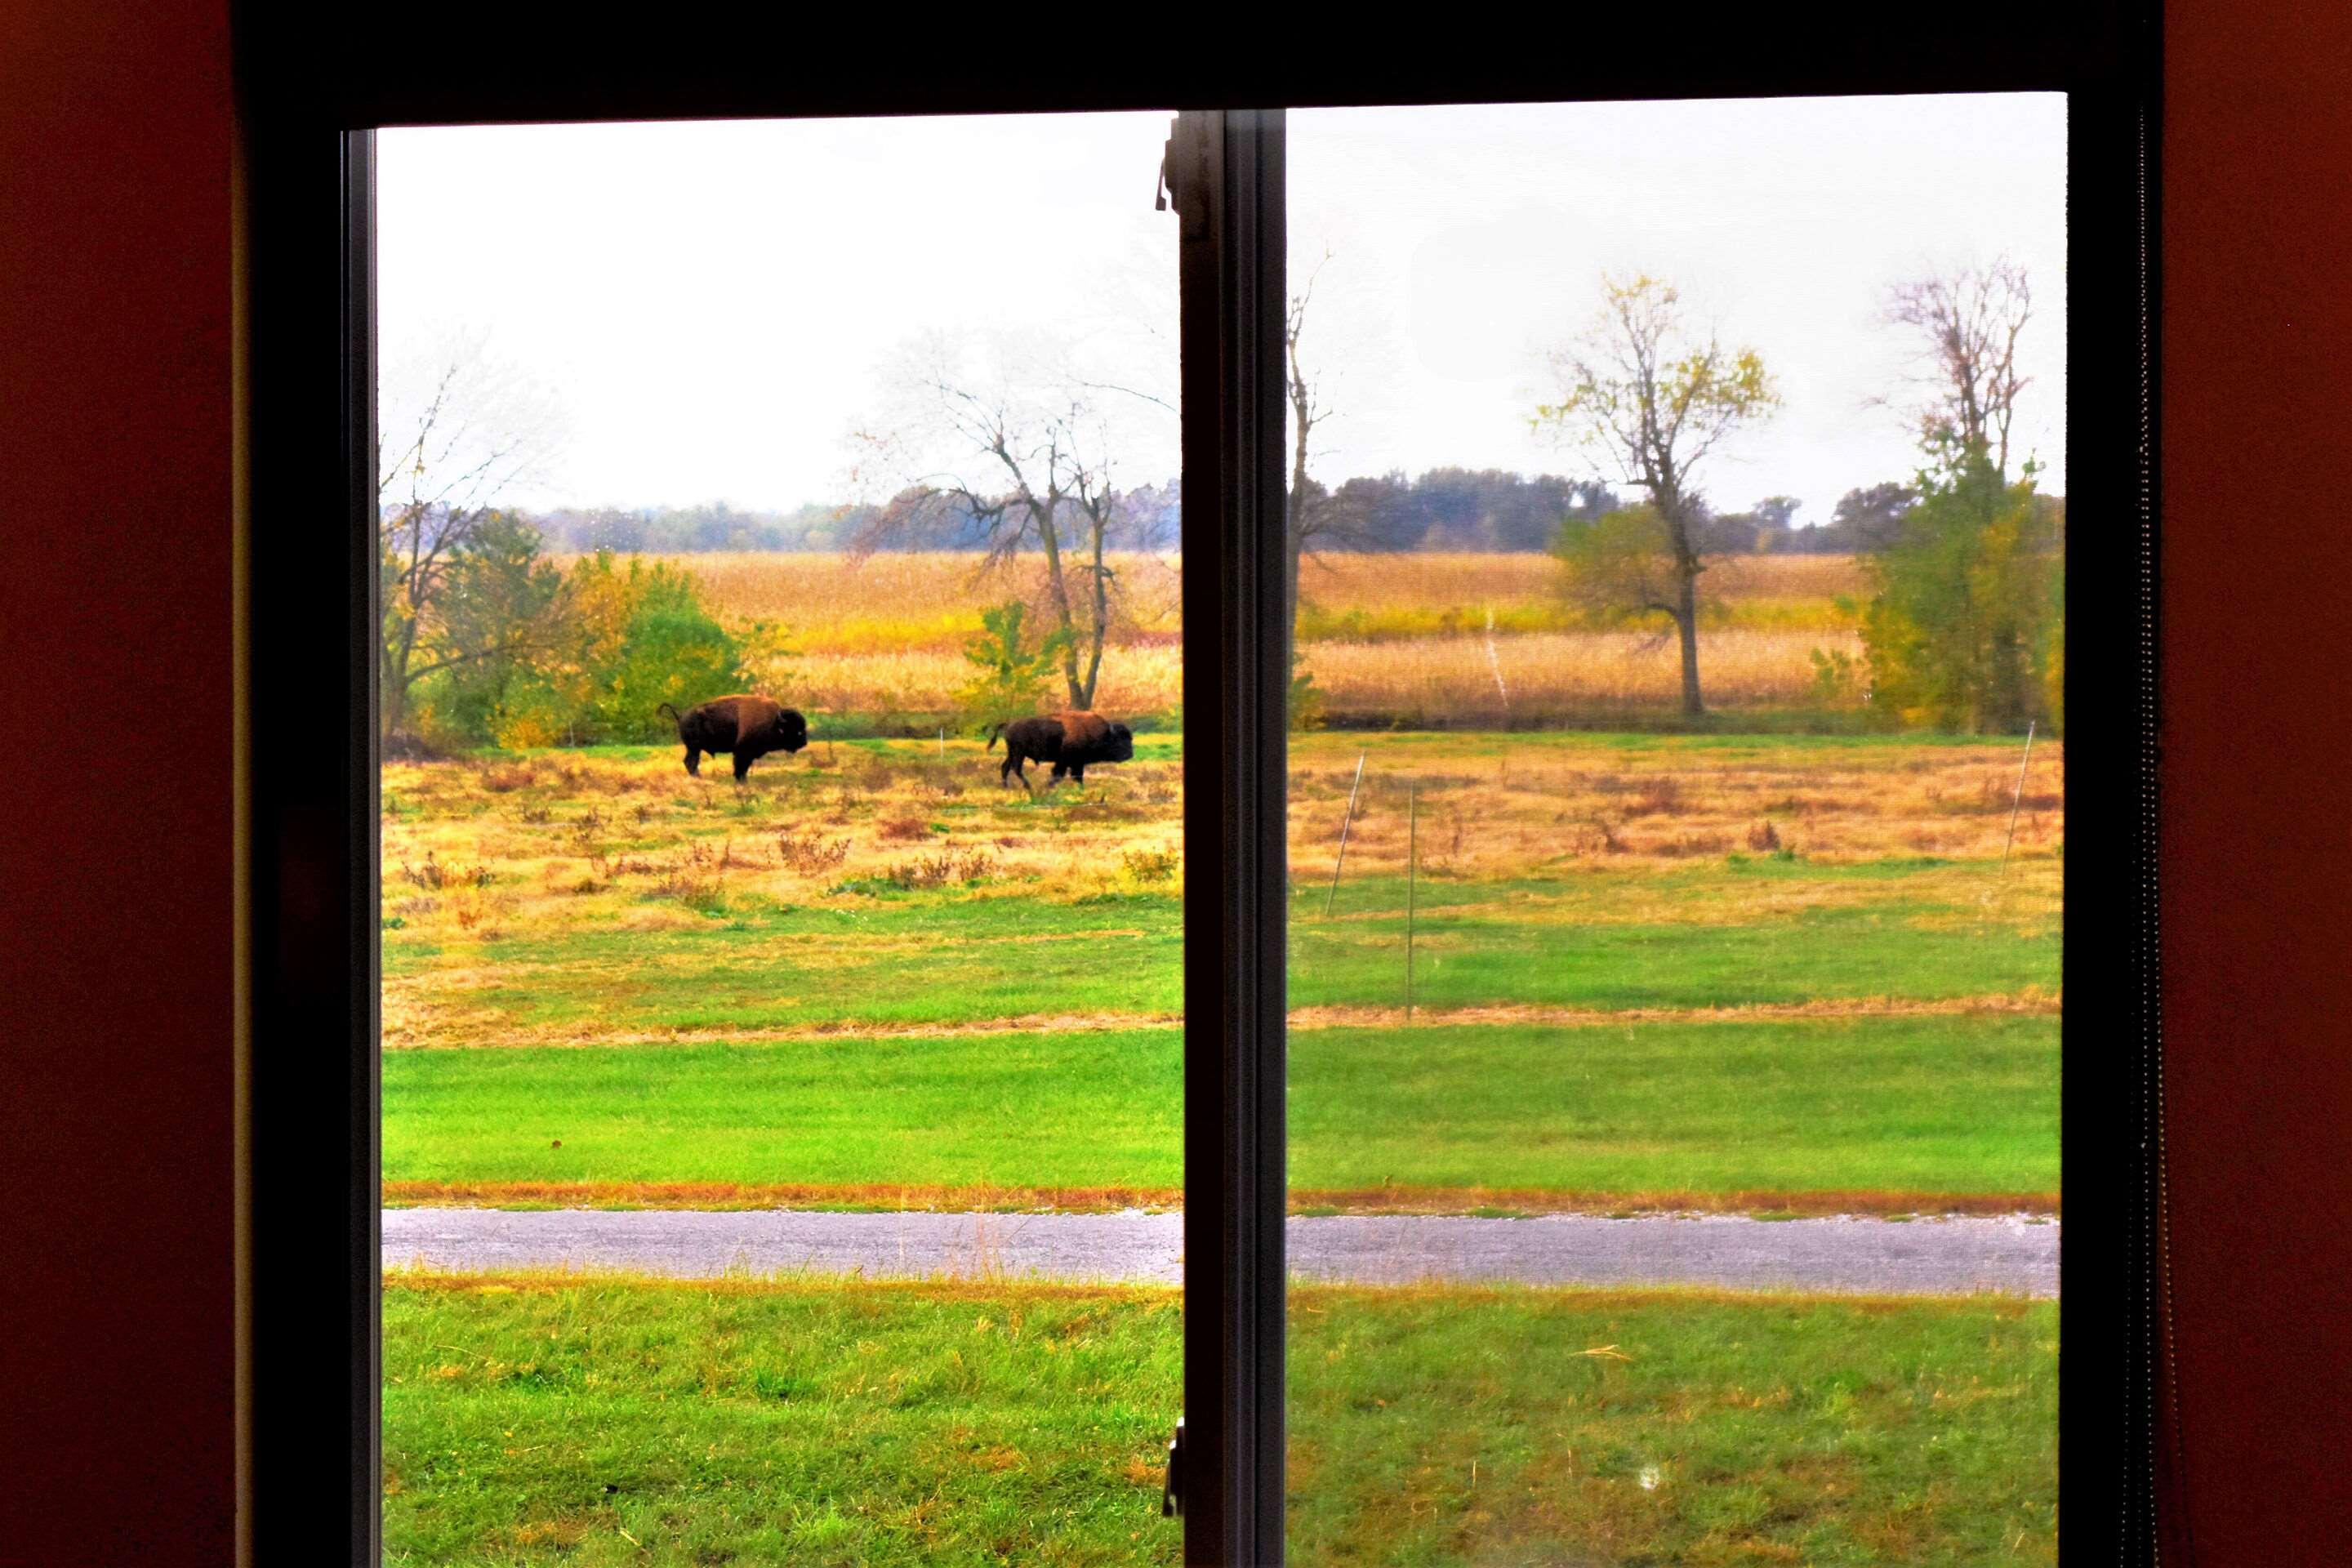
1958,1104
823,1422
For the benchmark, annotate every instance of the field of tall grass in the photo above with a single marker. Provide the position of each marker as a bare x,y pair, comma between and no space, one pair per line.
1443,640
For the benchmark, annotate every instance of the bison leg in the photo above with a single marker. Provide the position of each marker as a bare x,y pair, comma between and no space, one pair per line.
1078,771
693,761
743,760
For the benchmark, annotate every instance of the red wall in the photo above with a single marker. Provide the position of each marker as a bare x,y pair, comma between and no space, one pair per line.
2257,807
117,1377
116,851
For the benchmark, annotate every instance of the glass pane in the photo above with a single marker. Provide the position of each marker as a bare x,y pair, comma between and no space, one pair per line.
1677,831
782,1071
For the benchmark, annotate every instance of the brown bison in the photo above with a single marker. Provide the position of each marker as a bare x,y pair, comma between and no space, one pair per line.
1069,740
748,727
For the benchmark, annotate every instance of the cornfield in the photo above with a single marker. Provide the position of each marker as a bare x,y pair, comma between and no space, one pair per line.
1445,639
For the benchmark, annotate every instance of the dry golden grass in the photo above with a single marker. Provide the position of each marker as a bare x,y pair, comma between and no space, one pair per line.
554,844
1467,682
1469,583
1451,640
912,686
836,602
1438,682
918,602
1504,807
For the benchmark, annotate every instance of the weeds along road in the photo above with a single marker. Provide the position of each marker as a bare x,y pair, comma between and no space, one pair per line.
2014,1254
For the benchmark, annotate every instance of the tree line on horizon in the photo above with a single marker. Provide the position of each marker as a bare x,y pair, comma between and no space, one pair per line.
1485,511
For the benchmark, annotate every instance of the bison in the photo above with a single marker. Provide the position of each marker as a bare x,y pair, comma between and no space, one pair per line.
1068,740
747,726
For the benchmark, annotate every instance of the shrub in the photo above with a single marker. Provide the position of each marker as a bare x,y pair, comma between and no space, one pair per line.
1967,627
811,855
654,642
1151,864
1012,677
1306,708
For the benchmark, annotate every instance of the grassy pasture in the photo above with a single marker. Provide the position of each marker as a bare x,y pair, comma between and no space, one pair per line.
1424,640
546,1419
1698,970
1899,1114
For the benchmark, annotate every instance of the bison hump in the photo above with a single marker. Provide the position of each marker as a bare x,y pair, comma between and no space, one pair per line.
754,715
1083,728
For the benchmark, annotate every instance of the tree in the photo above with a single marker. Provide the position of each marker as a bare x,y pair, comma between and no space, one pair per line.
502,610
1312,519
473,430
1641,392
1871,519
1761,531
1010,673
1967,627
1020,443
1965,325
1312,516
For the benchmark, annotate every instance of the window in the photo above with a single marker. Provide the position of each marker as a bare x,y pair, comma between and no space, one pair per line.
317,1259
1676,829
852,1080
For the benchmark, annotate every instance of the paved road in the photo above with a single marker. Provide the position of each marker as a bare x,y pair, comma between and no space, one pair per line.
1932,1256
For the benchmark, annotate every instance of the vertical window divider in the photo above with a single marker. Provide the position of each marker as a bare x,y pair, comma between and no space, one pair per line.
1226,174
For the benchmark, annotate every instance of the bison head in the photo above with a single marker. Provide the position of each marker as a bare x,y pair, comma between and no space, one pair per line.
791,729
1120,747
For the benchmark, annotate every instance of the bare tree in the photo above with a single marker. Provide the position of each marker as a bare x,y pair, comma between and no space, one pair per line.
468,430
1641,393
1968,322
1021,446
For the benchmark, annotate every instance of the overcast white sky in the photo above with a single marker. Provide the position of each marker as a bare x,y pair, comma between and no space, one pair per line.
711,303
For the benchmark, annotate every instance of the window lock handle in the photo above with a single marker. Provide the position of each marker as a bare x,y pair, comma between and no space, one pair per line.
1171,1494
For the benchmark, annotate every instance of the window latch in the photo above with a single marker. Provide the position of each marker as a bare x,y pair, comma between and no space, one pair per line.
1171,1494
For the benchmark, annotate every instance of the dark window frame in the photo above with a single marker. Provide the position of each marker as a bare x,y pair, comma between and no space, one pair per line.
312,91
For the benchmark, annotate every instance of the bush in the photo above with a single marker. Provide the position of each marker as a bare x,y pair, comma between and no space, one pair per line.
657,643
1012,677
1305,696
1966,633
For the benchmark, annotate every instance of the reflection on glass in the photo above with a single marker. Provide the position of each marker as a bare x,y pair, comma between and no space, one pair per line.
1676,824
782,843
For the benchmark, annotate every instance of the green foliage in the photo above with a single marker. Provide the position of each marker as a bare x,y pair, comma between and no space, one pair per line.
1305,696
1965,633
612,642
1618,567
670,648
1836,675
500,611
1639,373
1012,677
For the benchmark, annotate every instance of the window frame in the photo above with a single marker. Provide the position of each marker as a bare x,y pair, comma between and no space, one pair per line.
312,89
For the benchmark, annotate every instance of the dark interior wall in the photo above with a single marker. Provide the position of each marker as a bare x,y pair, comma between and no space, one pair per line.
2257,813
117,854
116,1370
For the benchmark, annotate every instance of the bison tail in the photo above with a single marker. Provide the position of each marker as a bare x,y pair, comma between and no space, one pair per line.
674,719
994,730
